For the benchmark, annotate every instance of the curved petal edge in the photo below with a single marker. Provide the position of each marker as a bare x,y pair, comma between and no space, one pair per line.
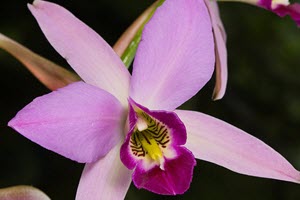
220,50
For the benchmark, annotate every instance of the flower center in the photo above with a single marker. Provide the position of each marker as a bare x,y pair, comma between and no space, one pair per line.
149,139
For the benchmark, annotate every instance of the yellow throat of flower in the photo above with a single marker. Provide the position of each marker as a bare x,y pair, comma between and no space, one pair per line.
147,140
150,146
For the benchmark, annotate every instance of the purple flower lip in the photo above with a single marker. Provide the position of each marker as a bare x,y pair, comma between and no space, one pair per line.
153,147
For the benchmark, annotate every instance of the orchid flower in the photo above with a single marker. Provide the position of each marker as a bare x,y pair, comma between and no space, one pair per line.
126,127
22,192
282,8
279,7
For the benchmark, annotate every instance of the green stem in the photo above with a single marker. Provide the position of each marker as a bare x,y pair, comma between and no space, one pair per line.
129,53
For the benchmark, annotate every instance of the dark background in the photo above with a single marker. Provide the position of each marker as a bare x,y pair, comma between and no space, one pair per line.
262,98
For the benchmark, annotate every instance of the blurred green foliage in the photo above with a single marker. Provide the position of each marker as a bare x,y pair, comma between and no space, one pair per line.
262,98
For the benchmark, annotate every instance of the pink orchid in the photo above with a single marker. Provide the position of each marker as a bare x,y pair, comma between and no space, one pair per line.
90,122
279,7
282,8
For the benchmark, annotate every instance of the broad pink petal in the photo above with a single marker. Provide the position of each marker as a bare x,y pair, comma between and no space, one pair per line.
50,74
22,192
79,121
220,49
105,179
175,58
175,179
216,141
90,56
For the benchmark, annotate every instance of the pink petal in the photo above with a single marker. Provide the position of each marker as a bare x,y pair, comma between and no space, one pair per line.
50,74
175,57
79,121
108,178
22,192
175,179
216,141
90,56
220,49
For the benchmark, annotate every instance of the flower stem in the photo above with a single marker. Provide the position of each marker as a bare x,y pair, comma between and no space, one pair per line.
129,53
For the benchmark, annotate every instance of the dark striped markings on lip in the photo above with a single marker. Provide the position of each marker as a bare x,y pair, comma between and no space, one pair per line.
151,140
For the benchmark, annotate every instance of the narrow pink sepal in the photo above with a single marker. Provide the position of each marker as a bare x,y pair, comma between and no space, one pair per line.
105,179
175,57
220,49
22,192
175,179
79,121
89,55
51,75
218,142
